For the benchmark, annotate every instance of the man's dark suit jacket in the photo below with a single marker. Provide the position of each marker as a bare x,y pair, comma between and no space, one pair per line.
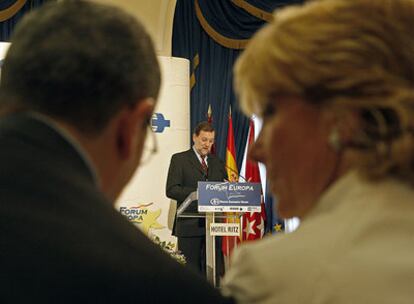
183,175
62,241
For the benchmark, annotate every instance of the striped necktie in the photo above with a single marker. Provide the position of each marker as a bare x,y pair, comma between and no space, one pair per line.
204,165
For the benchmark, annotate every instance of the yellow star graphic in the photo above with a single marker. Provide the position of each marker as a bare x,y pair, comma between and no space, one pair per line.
278,228
150,221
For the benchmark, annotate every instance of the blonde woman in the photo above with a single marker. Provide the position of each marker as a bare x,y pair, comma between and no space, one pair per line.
334,83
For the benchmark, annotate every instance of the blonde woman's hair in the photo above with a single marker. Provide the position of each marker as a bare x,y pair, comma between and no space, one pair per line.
346,55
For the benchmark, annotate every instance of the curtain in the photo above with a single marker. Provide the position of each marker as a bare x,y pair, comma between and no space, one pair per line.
11,11
212,34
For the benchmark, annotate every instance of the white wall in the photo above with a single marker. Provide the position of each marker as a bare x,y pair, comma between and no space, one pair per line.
147,188
148,184
157,17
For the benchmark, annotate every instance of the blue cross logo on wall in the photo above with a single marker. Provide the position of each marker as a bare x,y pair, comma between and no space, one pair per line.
159,123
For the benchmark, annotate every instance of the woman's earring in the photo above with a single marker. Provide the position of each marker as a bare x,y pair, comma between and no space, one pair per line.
335,140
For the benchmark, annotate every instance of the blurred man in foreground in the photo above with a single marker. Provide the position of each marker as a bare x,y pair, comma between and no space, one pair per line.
79,86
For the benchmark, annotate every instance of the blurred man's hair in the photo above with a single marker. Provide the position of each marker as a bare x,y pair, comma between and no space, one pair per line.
79,62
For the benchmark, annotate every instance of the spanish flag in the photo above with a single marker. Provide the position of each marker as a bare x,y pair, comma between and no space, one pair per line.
229,242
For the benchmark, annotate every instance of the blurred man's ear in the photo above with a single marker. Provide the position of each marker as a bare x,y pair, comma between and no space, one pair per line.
132,127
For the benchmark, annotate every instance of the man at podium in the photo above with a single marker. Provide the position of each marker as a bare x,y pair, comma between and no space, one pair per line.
186,170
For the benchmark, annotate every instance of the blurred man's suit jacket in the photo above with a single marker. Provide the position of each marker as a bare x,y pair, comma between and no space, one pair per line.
61,240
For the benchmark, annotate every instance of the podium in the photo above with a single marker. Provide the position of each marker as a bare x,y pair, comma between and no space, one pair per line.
221,201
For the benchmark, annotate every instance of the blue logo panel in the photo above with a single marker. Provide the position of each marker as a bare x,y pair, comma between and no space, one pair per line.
229,197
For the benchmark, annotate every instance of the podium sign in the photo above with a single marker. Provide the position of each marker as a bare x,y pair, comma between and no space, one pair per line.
229,197
225,229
